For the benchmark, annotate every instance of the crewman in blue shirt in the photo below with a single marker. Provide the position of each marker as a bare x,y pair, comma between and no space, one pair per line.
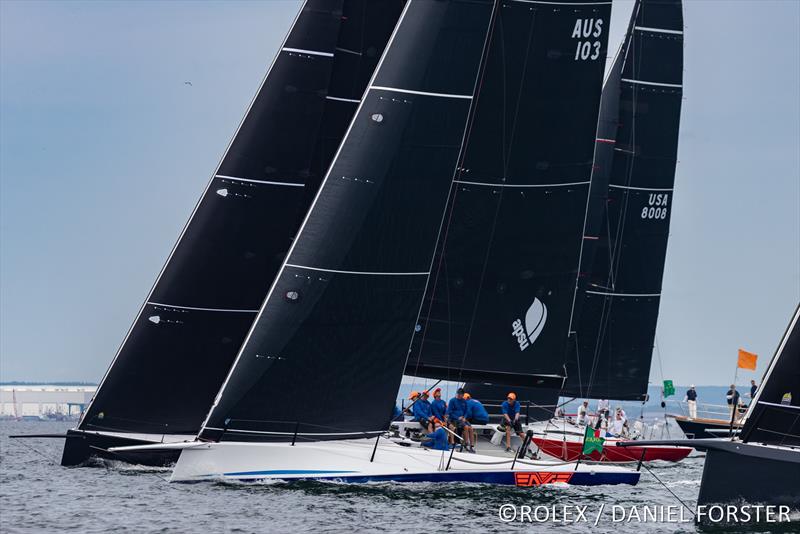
510,409
422,412
457,418
438,437
476,415
438,406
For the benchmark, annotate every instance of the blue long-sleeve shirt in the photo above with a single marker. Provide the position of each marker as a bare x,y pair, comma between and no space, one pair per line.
439,409
476,411
510,410
456,408
421,410
438,440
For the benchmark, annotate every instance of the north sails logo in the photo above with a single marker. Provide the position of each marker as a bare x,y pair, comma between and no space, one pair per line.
534,323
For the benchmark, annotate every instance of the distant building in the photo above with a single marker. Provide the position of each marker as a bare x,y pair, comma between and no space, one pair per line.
34,400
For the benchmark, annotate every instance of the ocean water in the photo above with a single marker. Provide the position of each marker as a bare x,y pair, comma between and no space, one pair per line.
37,495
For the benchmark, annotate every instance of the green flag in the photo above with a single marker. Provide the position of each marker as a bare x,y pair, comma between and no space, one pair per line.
591,442
669,389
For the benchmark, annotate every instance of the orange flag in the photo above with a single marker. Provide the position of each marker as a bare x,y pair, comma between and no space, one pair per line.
747,360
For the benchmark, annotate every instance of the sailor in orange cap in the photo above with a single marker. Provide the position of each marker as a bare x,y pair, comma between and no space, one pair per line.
438,406
510,409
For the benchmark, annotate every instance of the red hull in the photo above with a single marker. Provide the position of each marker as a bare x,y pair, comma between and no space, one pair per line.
571,450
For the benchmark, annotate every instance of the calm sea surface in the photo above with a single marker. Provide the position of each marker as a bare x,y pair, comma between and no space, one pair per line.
37,495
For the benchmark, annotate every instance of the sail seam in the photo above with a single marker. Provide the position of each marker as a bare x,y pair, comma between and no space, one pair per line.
309,52
658,30
340,49
519,185
376,273
624,294
290,184
340,99
658,84
640,188
423,93
225,310
543,2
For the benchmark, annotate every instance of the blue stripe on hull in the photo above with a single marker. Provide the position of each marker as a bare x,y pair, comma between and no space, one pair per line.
506,478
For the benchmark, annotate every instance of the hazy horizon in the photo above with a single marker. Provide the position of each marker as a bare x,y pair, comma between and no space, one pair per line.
105,149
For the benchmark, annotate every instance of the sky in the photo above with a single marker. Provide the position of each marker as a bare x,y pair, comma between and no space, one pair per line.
105,149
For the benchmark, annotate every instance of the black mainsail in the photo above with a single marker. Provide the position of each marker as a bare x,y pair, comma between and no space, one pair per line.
627,224
337,322
200,309
497,309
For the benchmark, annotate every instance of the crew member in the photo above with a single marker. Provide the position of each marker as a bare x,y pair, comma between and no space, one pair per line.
753,389
583,412
618,427
457,418
438,406
422,412
476,415
510,409
733,399
438,438
691,402
602,408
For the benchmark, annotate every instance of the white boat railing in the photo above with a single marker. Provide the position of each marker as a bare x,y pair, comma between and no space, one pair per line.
704,410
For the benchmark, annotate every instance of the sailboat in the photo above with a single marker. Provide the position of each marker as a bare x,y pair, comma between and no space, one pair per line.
613,324
761,464
336,325
192,324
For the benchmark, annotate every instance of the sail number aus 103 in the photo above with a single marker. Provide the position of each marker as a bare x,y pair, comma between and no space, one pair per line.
585,31
657,206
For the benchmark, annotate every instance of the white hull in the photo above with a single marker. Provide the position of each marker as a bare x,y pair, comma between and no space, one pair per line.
350,461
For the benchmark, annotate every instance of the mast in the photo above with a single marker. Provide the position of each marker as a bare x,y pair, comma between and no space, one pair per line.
207,296
339,315
627,225
497,309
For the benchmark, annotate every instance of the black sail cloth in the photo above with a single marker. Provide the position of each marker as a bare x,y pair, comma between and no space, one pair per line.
187,335
330,341
614,324
774,417
498,306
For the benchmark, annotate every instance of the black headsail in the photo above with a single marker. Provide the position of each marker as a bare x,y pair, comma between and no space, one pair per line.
497,309
616,307
336,325
200,309
774,416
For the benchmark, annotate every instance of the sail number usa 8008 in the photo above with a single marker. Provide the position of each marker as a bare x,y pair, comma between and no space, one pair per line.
586,29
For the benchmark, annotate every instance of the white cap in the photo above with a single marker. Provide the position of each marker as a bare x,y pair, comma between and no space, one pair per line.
691,387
